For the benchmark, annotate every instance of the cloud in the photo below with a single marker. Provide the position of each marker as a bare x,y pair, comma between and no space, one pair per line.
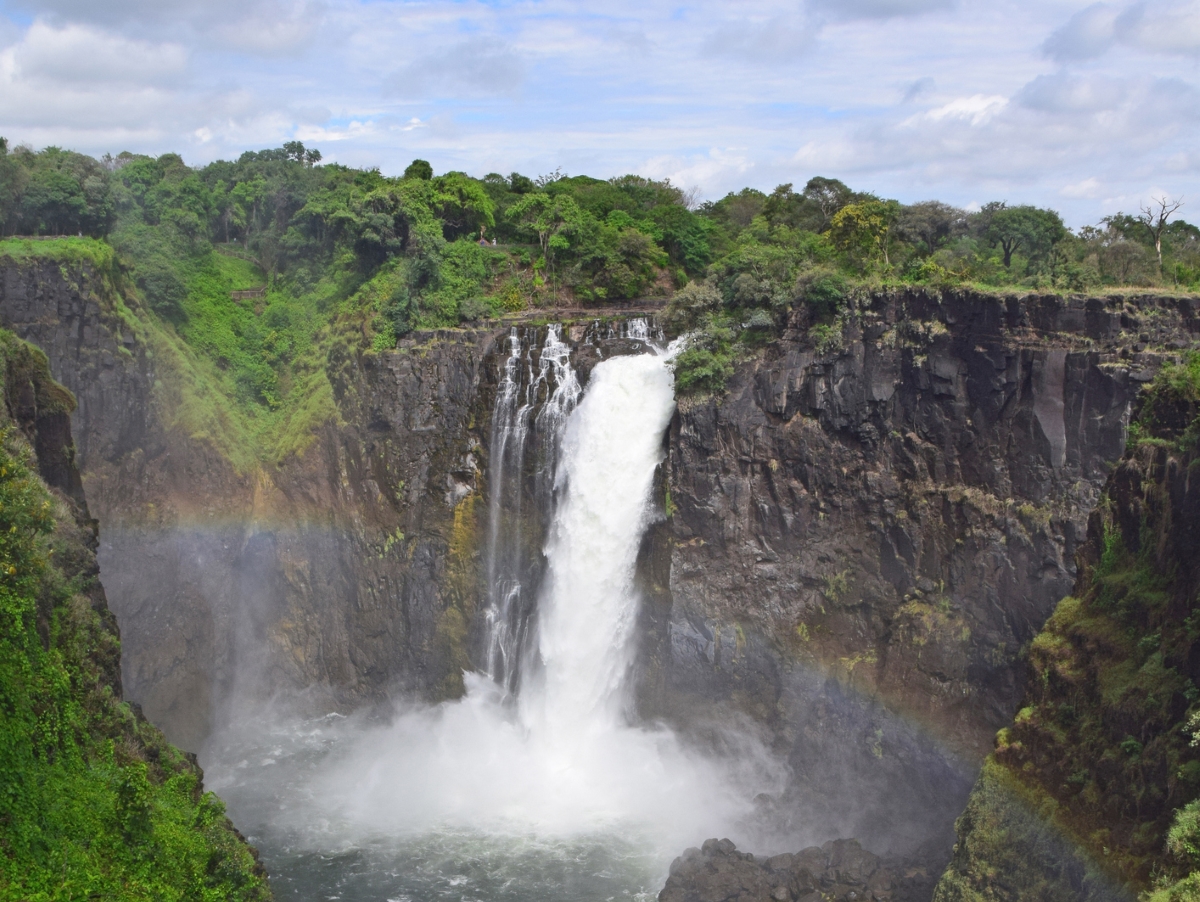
85,55
10,32
268,27
477,67
348,132
142,13
779,39
717,165
1087,35
1089,187
1066,93
918,89
1172,28
877,9
1167,27
976,109
273,28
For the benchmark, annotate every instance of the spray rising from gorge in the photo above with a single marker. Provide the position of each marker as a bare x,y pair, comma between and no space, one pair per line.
542,748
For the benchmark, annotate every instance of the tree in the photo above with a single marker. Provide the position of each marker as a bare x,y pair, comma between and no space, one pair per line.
1027,228
419,169
246,198
684,236
799,211
520,184
865,227
295,152
829,196
13,177
549,216
386,221
930,223
462,204
1155,221
738,209
54,202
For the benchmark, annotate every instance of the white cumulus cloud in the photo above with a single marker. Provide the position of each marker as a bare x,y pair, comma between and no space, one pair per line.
1089,187
976,109
91,56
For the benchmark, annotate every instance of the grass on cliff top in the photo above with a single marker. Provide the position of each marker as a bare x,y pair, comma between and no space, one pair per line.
93,802
61,250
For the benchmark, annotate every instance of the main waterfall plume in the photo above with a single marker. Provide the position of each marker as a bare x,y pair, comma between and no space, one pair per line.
543,747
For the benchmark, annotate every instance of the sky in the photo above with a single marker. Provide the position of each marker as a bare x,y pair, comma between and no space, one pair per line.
1086,108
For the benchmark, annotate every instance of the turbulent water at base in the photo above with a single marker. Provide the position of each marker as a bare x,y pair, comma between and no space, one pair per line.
551,794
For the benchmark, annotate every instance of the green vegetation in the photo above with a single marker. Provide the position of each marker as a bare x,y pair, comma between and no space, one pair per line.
1010,848
346,256
1104,754
93,801
65,250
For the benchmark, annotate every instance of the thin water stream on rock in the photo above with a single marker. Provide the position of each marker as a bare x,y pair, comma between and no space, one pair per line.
536,784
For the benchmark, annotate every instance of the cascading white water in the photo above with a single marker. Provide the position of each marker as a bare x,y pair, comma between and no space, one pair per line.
560,782
553,392
609,453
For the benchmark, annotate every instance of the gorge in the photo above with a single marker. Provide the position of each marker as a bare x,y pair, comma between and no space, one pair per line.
844,557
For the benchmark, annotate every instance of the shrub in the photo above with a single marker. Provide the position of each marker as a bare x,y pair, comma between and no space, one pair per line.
690,304
823,291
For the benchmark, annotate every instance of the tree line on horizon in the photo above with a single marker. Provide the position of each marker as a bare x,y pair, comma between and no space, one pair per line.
421,244
283,204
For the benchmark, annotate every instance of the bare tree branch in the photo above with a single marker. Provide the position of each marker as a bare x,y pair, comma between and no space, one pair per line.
1155,221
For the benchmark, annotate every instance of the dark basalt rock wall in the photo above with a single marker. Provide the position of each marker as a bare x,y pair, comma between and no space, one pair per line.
838,871
332,573
862,542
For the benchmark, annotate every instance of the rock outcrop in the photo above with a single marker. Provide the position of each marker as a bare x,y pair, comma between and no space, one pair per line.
838,871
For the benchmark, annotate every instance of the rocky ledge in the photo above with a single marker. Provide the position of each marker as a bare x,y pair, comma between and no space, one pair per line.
839,870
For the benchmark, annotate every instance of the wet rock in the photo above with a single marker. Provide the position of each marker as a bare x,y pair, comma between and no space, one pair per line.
717,872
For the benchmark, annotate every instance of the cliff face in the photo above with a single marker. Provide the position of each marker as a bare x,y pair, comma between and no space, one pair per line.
1082,796
327,573
93,801
856,545
863,542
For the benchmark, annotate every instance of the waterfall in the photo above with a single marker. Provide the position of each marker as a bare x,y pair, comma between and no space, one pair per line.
511,571
611,447
537,783
542,743
598,461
